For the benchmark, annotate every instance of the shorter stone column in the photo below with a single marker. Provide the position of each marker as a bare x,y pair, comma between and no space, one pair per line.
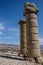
23,47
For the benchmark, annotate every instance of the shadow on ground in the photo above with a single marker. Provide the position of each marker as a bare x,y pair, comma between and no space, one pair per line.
15,58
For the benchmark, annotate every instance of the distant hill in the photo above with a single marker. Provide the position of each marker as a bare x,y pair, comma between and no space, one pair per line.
14,47
41,46
9,47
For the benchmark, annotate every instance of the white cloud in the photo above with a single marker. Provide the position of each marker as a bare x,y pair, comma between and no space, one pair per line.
41,40
2,26
8,43
1,33
7,37
17,43
17,34
13,29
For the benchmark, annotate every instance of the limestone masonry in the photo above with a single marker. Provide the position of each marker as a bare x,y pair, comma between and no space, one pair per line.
23,37
29,38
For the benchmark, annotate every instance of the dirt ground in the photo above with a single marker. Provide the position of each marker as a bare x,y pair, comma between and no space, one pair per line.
14,59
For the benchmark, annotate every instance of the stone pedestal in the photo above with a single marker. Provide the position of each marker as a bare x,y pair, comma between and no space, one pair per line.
23,46
33,46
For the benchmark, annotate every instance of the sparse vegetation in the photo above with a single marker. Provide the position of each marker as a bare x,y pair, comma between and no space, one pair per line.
3,50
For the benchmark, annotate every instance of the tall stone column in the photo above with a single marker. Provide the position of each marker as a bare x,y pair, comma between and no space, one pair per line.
23,37
33,46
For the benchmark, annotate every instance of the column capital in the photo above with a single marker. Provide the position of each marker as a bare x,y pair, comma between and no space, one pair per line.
30,8
22,21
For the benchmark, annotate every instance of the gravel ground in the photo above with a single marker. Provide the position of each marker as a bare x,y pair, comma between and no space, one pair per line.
6,59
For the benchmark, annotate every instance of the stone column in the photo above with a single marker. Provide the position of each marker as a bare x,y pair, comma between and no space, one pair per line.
33,46
22,36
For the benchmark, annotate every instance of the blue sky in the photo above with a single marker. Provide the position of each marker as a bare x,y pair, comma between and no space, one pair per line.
11,11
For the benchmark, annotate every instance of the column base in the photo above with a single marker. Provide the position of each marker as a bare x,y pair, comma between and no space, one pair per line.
20,55
38,60
23,55
30,59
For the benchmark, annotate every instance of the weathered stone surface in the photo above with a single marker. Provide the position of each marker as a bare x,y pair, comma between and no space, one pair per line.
30,7
33,46
23,46
35,52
